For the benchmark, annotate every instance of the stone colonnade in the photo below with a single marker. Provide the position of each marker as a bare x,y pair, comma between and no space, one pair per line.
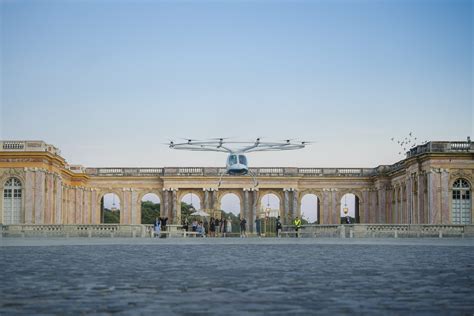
415,197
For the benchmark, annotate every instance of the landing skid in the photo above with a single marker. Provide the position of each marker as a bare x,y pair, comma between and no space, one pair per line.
254,178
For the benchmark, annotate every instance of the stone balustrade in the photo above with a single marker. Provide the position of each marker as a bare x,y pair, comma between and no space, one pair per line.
28,146
339,231
101,230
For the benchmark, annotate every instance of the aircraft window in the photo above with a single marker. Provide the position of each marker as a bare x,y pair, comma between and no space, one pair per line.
232,160
243,159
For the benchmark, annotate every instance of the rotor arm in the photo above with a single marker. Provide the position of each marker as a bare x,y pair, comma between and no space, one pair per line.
200,148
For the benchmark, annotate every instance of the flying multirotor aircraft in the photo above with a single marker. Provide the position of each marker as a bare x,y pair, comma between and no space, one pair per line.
236,161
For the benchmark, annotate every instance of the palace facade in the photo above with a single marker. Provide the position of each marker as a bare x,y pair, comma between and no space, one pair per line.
432,185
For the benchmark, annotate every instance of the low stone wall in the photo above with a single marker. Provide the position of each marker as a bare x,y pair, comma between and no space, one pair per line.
311,231
382,231
103,230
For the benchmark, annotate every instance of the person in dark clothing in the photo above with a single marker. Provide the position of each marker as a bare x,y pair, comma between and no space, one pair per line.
212,227
163,221
278,227
258,226
243,229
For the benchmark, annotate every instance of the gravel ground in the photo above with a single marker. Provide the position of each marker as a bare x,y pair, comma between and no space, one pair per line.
236,276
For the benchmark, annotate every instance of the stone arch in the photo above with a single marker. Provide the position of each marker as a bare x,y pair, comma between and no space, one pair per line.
179,198
279,194
224,192
231,192
100,195
359,201
139,201
318,195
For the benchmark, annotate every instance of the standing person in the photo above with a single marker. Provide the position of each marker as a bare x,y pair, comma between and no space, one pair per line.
186,224
278,227
216,225
224,227
243,232
157,228
221,226
194,227
212,227
297,223
163,221
229,226
257,226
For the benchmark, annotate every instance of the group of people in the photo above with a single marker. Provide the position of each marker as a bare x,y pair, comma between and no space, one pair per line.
215,227
220,227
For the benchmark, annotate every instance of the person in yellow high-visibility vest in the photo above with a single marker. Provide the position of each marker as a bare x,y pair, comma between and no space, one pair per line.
297,223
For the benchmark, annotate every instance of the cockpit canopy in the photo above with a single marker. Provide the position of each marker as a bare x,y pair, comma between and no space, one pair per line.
237,159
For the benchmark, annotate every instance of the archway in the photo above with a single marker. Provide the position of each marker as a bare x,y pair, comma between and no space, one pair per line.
349,212
150,208
310,209
461,203
268,213
230,207
110,209
190,203
12,201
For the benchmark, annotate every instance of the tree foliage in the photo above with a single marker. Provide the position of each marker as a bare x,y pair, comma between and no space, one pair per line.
150,211
111,217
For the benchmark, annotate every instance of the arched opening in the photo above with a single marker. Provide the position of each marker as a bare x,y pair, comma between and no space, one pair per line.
310,209
12,201
461,204
110,209
230,211
150,206
190,203
349,209
267,214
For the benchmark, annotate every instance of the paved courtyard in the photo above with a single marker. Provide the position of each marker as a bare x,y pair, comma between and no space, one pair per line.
237,276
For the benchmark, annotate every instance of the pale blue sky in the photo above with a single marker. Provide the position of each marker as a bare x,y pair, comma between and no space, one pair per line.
108,81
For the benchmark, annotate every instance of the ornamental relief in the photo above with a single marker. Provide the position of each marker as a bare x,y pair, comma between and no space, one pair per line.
460,173
6,173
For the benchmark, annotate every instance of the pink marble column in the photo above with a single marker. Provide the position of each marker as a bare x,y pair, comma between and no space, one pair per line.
58,200
420,198
39,196
78,205
326,210
71,217
335,211
136,206
29,196
87,207
49,199
125,207
381,218
433,197
409,209
365,207
445,215
95,208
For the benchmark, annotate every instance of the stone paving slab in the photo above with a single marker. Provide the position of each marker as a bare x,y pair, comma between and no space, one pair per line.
454,242
233,276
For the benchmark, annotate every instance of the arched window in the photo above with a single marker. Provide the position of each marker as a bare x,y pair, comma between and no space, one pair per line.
461,210
12,201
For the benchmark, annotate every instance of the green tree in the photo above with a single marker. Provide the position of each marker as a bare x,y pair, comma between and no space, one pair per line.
111,217
150,211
